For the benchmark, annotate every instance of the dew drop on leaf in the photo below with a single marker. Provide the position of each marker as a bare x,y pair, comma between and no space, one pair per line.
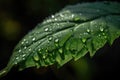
46,29
26,42
33,39
25,47
49,38
36,57
44,56
56,40
29,49
101,29
77,18
19,50
60,50
53,16
83,40
88,30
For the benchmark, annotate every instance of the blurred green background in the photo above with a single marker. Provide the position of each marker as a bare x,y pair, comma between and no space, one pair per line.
18,17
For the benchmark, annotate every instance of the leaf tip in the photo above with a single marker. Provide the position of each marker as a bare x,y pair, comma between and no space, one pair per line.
3,72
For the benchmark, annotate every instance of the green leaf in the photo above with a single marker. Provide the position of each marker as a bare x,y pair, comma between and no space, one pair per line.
69,34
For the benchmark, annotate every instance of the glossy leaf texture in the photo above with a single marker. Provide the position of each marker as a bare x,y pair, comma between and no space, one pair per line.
69,34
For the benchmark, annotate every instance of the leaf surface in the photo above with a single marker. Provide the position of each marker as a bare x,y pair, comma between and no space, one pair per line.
69,34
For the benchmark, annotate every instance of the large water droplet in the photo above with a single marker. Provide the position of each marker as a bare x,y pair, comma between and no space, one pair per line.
24,39
17,58
36,57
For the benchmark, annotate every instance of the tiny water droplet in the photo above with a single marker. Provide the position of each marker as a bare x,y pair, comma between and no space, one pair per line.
25,47
83,40
19,50
22,42
50,38
46,29
61,15
53,16
55,19
60,50
29,49
33,39
44,57
39,49
17,58
72,15
88,30
26,42
101,29
36,57
56,40
23,55
77,18
24,39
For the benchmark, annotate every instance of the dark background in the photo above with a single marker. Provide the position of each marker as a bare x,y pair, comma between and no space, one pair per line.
18,17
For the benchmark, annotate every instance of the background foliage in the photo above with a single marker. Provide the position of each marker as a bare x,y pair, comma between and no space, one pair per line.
18,17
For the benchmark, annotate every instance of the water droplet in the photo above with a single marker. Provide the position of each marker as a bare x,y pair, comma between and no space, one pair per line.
39,49
23,55
88,30
33,39
50,38
26,42
101,29
46,29
29,49
53,16
77,18
56,40
60,50
36,57
72,15
19,50
24,39
22,42
17,58
61,15
55,19
25,47
83,40
44,56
